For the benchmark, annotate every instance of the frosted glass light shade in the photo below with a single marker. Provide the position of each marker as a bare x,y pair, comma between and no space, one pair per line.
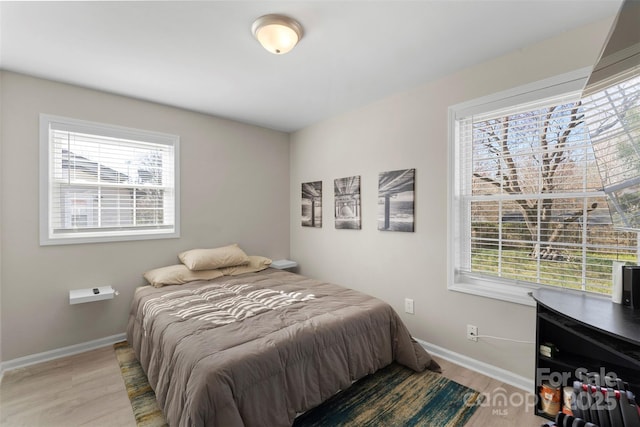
277,33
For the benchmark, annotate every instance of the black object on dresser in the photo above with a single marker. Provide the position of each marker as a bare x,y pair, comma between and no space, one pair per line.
589,335
631,286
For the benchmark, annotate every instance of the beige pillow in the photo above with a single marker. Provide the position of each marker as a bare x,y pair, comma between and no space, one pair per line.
256,263
210,259
178,275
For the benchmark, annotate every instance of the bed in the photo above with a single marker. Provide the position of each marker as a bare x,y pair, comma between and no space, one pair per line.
261,348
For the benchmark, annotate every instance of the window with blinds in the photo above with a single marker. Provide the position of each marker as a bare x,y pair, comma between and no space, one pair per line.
106,183
612,112
530,200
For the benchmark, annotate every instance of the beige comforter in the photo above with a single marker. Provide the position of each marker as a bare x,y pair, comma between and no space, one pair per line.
260,348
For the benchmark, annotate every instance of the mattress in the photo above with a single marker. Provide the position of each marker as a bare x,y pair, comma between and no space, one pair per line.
260,348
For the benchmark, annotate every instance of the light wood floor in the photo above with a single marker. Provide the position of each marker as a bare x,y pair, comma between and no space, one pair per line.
88,390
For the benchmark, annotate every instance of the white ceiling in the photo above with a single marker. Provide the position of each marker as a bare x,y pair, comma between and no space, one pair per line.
202,56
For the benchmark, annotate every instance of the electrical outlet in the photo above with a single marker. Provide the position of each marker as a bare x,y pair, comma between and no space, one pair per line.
408,305
472,332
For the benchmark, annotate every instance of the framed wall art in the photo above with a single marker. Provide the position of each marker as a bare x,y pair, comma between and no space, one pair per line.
312,204
396,200
347,202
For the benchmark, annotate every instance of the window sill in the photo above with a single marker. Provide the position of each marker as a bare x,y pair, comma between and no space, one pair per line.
518,294
104,237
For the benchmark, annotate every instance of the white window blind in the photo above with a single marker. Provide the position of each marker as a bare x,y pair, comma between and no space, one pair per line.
530,201
612,112
105,183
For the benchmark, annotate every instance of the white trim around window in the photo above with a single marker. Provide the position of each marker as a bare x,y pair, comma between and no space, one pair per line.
106,183
505,290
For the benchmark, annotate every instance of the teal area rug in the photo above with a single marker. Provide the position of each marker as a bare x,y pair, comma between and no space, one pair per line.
397,396
393,396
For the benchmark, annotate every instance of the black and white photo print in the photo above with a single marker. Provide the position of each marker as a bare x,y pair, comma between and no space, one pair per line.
312,204
347,202
396,200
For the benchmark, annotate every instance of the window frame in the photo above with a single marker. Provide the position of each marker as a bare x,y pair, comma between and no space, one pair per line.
501,289
47,237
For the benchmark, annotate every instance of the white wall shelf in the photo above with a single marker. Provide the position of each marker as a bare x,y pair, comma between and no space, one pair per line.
78,296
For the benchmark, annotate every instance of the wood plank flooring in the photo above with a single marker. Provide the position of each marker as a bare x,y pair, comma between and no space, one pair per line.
87,390
498,412
81,390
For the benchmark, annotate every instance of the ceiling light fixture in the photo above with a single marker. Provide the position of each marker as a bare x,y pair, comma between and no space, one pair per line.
277,33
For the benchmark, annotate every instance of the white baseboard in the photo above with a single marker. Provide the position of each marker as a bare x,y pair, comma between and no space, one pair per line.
32,359
499,374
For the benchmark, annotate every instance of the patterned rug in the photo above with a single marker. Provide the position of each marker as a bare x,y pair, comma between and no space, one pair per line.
397,396
142,397
393,396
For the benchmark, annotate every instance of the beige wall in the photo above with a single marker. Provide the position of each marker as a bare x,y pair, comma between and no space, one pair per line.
234,186
234,182
409,130
1,199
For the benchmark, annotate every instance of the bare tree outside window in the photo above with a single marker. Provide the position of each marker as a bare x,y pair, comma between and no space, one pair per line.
533,153
538,213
